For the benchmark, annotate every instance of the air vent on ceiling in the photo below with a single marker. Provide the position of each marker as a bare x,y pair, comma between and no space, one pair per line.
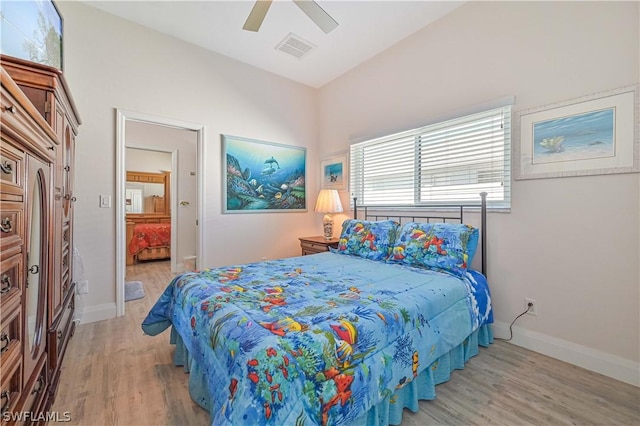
295,45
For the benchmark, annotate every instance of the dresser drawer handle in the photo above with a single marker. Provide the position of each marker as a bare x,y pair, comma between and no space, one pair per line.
4,337
34,269
6,284
6,226
5,395
67,168
51,148
59,334
7,168
11,108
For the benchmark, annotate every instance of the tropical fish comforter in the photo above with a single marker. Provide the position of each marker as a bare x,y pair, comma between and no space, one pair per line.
316,339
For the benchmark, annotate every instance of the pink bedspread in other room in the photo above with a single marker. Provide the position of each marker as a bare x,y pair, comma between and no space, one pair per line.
150,235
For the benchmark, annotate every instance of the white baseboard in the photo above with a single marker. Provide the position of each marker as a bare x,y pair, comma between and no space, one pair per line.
600,362
97,313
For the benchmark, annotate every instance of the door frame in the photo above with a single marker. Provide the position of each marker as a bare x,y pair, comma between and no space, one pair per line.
122,116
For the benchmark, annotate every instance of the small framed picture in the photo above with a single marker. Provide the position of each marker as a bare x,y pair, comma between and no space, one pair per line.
592,135
334,173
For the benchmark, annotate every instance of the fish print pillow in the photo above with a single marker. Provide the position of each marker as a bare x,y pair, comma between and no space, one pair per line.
368,239
444,246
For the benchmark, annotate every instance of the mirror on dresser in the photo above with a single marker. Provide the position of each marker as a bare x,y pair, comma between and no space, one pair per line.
37,248
147,193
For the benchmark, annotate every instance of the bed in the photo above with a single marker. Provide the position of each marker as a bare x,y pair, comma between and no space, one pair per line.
148,241
348,337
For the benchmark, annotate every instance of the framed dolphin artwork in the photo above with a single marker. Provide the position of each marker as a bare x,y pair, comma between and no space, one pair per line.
261,177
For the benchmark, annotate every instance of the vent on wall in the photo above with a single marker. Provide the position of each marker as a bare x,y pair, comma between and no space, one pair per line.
295,46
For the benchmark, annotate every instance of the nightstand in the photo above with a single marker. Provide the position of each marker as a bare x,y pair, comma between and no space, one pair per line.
312,245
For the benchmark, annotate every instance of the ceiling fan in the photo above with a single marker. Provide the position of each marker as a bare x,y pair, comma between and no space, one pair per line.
321,18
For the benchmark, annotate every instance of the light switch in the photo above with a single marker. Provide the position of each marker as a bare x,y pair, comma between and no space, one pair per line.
105,201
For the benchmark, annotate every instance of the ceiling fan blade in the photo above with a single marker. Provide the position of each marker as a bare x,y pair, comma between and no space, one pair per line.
321,18
257,14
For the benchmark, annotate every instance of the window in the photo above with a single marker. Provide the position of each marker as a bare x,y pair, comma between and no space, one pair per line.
448,162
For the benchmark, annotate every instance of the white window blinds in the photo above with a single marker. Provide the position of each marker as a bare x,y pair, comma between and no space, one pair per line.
448,162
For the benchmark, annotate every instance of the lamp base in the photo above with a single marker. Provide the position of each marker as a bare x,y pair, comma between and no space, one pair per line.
327,224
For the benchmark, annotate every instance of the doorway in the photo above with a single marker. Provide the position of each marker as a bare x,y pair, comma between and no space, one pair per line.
183,141
152,171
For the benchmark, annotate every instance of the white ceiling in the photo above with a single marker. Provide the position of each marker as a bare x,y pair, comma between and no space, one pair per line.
365,29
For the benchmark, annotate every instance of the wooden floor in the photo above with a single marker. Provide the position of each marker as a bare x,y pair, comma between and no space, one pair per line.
115,375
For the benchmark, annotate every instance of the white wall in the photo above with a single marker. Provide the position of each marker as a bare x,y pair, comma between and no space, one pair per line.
111,63
572,244
147,160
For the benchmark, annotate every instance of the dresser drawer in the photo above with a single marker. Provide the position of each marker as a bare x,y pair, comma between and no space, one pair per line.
61,332
11,172
11,228
36,388
10,282
11,338
10,388
312,245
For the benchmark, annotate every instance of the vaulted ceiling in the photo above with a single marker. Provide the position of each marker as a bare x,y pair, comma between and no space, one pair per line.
365,28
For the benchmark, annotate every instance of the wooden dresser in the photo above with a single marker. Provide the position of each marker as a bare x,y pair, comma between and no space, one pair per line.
39,124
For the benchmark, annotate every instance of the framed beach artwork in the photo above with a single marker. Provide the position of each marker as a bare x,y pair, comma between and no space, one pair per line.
262,176
596,134
334,173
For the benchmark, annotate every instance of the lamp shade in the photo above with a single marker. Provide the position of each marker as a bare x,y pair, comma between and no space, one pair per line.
328,201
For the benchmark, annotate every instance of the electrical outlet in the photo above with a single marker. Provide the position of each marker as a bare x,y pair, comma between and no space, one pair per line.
83,286
531,306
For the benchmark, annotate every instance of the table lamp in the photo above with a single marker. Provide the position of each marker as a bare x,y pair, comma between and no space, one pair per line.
328,202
